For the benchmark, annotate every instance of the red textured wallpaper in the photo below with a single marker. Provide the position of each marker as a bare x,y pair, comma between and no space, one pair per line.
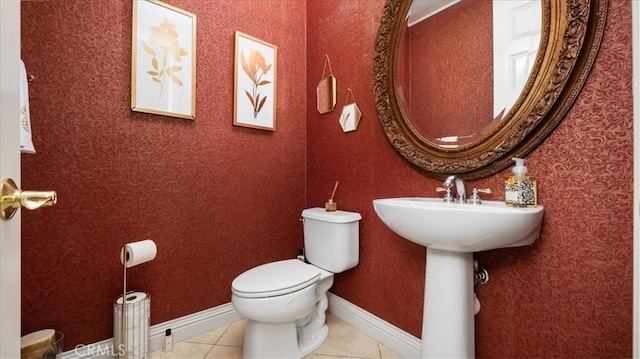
451,57
217,199
569,294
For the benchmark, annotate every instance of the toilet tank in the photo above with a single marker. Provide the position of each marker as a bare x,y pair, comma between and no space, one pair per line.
331,239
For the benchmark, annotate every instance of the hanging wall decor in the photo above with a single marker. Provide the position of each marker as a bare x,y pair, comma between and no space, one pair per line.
255,83
350,117
163,63
326,89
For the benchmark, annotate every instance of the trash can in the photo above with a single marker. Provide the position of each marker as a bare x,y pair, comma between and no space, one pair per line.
43,344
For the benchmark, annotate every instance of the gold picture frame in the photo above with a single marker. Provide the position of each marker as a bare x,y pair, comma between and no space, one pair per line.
163,61
255,72
350,117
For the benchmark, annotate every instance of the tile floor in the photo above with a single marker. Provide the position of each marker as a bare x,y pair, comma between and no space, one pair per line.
344,341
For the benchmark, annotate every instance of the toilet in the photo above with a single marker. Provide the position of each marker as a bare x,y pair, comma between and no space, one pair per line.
285,301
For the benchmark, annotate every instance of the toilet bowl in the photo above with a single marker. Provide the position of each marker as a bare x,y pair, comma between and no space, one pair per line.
285,301
287,318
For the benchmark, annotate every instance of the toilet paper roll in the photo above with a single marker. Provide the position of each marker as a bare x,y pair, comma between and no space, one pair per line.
138,326
138,252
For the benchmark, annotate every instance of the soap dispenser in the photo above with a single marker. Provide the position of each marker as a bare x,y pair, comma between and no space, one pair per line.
520,190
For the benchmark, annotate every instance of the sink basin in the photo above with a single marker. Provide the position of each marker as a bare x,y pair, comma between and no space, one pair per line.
458,227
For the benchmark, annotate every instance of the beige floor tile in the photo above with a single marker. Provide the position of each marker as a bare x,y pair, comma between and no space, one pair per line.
224,352
386,353
234,336
211,337
183,350
345,340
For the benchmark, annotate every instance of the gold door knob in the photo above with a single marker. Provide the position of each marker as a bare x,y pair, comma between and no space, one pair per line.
11,198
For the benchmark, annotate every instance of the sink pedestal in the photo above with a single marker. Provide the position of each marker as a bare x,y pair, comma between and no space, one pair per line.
448,316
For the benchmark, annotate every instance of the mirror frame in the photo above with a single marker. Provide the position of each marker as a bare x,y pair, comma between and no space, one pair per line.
571,35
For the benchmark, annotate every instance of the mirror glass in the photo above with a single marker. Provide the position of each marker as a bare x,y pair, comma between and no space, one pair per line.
470,105
480,50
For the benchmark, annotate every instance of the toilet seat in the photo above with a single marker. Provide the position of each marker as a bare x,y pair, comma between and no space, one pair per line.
275,278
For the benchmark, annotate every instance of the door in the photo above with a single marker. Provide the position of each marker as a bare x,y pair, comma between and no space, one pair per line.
516,38
10,167
635,16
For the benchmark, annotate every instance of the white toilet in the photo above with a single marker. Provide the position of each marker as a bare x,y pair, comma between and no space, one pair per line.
285,301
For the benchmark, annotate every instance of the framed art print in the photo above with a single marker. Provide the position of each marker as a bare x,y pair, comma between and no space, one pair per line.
350,117
163,63
255,83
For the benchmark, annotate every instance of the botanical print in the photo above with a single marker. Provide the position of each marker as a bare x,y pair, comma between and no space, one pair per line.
350,117
166,53
255,67
346,118
163,60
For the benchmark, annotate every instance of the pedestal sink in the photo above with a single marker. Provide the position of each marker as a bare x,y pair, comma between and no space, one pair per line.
452,232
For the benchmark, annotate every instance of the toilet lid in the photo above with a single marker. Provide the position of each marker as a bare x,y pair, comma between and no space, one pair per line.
276,278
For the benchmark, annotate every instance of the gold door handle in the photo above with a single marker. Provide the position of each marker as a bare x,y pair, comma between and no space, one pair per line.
11,198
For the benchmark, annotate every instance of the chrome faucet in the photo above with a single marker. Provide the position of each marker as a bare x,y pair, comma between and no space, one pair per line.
460,190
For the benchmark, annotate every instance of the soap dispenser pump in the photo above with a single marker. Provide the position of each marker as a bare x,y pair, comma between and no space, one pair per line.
520,190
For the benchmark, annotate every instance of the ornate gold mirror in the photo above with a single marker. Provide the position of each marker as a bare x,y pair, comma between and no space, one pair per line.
487,136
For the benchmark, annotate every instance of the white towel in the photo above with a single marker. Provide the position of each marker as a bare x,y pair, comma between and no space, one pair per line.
26,145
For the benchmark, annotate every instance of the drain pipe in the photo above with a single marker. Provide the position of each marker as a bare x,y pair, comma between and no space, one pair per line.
480,275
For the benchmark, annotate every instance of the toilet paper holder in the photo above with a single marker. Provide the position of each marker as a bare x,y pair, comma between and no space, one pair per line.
131,255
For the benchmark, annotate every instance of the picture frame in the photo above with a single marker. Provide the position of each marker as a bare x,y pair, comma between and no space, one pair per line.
163,60
350,117
255,73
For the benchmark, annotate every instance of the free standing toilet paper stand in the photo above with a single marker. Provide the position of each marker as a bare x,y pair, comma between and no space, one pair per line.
131,255
123,329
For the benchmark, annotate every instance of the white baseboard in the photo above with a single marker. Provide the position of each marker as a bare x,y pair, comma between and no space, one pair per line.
182,328
401,342
189,326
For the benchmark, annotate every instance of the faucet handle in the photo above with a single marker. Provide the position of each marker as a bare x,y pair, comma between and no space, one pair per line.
448,198
475,197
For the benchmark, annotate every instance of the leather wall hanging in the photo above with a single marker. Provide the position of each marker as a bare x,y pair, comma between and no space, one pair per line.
326,90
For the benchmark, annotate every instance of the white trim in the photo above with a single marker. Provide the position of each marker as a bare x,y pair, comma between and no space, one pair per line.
635,15
10,246
401,342
182,328
189,326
